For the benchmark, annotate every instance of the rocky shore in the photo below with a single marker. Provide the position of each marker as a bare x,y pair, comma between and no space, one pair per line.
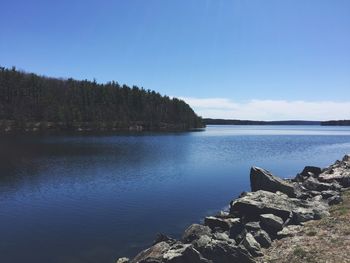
275,209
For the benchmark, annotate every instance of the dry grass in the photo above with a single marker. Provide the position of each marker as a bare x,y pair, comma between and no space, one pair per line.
322,241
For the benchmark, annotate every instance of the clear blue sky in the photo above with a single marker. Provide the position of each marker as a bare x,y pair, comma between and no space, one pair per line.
237,50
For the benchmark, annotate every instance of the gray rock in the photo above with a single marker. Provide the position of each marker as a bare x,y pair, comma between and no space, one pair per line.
223,224
252,226
339,171
223,214
152,254
321,211
221,252
261,202
315,185
289,231
195,231
235,231
329,193
271,223
311,170
261,179
161,237
123,260
165,253
334,200
301,215
263,238
239,238
252,245
222,236
182,253
307,194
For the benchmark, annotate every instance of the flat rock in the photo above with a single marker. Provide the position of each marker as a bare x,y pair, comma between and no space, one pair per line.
261,179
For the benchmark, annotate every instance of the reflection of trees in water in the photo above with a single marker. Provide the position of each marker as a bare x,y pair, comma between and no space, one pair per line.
32,157
17,160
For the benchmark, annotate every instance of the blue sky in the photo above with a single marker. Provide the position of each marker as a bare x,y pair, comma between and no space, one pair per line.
256,59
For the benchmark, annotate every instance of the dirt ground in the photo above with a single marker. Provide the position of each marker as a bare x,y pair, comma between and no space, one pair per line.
323,241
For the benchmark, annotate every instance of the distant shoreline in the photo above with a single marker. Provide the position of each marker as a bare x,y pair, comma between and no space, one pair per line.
209,121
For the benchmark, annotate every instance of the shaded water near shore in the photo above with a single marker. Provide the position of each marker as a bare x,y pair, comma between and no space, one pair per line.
89,198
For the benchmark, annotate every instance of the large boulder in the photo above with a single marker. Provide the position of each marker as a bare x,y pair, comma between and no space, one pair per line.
262,202
339,171
261,179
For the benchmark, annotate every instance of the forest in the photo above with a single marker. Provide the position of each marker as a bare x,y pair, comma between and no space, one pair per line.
30,101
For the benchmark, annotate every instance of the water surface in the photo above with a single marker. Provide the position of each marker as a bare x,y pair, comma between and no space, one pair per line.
89,198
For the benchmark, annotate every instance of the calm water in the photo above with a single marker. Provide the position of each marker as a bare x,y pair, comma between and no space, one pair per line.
95,198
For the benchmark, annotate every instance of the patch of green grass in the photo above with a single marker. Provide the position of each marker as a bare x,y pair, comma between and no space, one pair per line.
299,252
342,210
334,240
311,233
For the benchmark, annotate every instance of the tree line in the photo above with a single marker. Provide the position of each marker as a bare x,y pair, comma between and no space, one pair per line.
27,97
336,123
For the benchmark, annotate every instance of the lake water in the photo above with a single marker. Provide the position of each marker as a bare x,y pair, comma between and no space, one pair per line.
84,198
